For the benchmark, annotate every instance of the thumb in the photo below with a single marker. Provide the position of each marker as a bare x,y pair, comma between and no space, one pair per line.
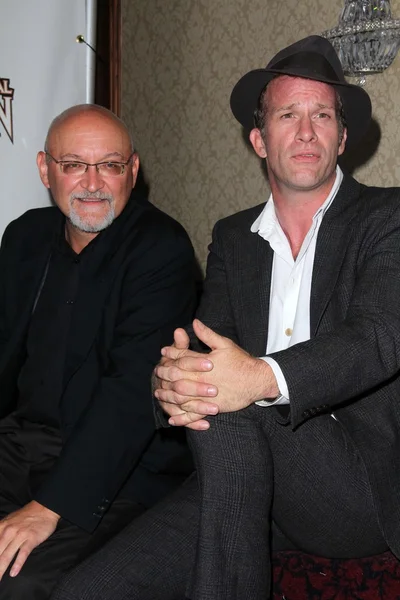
181,339
208,336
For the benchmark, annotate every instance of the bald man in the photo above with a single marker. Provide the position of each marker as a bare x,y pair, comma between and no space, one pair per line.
90,290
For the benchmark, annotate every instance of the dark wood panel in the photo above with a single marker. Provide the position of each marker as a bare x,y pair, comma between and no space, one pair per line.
108,60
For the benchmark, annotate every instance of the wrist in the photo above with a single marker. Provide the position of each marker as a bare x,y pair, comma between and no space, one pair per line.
46,512
265,384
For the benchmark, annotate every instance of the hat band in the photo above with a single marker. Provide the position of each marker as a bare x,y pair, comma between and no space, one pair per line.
307,64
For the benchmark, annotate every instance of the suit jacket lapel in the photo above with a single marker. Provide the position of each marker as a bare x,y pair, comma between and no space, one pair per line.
331,248
256,286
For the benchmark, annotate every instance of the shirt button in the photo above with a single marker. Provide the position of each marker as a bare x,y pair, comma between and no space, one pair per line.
288,331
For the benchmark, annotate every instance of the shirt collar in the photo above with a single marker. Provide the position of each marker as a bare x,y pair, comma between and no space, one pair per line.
267,220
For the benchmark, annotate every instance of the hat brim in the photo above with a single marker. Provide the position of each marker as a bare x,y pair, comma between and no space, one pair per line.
356,102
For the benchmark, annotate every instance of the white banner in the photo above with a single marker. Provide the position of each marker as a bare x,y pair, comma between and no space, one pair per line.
43,70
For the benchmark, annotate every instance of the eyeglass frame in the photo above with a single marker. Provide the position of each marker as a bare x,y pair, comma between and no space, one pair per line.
87,165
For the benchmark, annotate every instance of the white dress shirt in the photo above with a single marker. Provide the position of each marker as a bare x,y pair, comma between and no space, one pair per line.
289,304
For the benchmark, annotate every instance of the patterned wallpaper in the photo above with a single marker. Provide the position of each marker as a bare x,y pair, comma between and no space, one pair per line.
181,59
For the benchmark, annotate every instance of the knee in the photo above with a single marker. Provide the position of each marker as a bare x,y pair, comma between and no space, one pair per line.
72,587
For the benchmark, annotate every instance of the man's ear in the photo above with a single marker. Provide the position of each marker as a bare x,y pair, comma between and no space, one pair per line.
43,168
342,144
258,143
135,168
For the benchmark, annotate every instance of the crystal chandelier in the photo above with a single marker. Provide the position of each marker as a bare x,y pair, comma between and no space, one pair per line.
366,38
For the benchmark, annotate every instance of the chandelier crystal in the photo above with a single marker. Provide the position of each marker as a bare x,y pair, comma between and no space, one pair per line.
366,38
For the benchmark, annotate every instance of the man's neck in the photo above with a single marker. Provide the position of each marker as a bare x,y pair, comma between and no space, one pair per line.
78,240
295,210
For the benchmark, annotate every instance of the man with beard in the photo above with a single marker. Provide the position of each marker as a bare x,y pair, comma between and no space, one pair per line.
90,291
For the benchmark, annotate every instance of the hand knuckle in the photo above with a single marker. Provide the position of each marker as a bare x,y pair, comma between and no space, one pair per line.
180,387
175,373
170,398
10,530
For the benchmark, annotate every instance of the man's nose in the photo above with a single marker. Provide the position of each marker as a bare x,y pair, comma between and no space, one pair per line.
306,131
92,180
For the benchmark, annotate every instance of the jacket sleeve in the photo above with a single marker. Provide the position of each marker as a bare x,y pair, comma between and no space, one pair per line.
4,267
215,308
118,424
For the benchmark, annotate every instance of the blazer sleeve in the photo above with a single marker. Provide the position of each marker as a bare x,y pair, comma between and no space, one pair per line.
359,354
5,256
215,308
112,434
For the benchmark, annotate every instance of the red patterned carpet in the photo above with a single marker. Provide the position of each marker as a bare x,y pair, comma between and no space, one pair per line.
299,576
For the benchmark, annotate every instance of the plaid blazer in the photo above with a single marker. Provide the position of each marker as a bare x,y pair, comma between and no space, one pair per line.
350,366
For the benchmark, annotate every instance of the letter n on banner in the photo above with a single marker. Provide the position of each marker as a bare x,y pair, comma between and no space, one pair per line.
6,100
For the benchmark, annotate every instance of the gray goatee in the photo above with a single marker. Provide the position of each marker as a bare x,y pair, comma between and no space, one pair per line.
89,223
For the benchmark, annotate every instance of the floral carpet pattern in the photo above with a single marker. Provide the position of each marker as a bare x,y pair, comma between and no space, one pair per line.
299,576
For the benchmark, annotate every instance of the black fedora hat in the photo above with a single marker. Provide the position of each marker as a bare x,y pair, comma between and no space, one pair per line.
313,58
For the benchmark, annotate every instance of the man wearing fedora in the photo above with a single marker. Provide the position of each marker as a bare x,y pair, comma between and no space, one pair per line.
293,416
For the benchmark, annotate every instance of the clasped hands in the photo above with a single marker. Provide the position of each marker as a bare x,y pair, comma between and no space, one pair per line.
191,386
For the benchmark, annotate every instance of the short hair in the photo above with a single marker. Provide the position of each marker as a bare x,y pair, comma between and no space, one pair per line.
260,112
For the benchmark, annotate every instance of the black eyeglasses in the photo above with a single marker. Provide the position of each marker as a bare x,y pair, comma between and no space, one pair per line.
78,168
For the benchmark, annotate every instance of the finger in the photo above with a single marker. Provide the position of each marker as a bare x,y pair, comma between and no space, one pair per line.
195,406
201,425
171,409
194,364
212,339
173,352
7,534
22,555
185,404
8,554
191,420
169,373
181,339
174,411
170,361
186,388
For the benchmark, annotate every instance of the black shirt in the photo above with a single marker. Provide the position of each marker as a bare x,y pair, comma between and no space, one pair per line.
40,382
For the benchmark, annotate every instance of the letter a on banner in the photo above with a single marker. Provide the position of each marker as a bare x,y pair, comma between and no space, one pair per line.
6,100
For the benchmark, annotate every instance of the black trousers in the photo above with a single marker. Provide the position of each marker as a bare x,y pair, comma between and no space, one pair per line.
27,452
260,484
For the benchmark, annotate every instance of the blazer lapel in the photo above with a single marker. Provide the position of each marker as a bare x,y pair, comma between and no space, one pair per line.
31,276
331,248
255,288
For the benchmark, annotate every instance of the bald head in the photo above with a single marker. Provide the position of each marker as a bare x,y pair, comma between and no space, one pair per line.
90,168
73,116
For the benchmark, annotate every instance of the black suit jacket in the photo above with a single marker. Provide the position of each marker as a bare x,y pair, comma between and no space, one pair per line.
121,318
351,364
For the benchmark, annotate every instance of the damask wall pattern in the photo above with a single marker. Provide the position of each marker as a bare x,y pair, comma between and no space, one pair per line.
181,59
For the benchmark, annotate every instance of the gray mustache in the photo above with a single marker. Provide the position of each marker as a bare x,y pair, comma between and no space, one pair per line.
91,195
